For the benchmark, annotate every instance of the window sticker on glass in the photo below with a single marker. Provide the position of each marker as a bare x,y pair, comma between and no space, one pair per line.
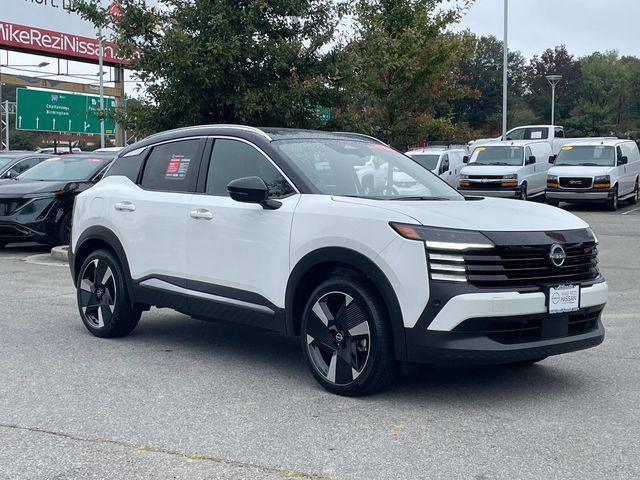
536,135
178,167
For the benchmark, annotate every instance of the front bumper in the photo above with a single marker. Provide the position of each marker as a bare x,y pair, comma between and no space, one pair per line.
504,327
12,232
499,193
582,195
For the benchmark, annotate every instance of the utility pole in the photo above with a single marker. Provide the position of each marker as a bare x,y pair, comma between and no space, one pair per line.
101,66
505,66
121,140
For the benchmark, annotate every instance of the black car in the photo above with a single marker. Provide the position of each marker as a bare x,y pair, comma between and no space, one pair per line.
37,205
14,163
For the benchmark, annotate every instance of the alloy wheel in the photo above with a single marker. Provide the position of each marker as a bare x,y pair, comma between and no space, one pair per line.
338,338
97,293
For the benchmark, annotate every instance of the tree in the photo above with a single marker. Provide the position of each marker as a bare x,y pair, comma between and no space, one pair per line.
553,62
480,69
402,68
226,61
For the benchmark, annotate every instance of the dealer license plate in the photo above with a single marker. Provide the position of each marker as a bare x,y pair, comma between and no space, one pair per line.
564,298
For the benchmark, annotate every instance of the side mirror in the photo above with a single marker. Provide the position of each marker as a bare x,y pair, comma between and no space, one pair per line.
623,160
251,190
465,159
531,160
552,159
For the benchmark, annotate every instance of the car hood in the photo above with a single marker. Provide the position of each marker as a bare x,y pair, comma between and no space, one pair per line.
580,171
486,214
19,188
490,170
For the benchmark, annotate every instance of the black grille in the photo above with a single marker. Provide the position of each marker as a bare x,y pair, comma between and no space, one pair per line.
7,206
533,328
522,266
489,177
575,182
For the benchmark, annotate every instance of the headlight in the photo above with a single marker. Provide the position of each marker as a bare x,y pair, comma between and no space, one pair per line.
602,181
552,178
510,177
595,237
443,238
464,177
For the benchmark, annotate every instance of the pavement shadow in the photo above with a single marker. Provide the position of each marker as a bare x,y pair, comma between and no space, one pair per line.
236,344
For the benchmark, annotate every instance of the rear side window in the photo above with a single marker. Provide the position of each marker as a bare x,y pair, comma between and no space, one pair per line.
173,167
26,164
232,159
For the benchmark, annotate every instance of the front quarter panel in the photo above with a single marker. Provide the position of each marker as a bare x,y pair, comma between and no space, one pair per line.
320,222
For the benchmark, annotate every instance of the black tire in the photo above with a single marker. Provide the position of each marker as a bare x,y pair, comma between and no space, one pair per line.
523,192
612,202
351,353
526,363
2,244
636,197
103,300
553,203
63,236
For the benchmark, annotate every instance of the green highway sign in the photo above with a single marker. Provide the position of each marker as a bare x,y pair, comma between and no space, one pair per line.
47,111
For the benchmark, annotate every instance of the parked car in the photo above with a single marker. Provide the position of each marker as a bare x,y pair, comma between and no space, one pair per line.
514,169
444,162
108,149
605,171
13,163
272,228
59,150
37,205
552,134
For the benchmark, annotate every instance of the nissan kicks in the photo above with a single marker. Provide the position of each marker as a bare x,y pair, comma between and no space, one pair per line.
273,228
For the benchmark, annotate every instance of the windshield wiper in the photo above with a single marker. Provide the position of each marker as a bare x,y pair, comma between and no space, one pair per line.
418,198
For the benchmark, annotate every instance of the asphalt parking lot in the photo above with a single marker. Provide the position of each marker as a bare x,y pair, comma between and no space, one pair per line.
185,399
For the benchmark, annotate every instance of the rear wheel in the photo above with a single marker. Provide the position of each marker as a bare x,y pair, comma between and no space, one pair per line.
612,203
346,337
105,307
636,196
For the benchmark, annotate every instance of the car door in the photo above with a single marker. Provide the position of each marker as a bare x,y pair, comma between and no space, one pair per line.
527,172
444,169
150,218
239,252
542,152
626,172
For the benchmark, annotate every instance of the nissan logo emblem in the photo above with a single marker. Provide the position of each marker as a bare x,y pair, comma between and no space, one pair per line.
557,255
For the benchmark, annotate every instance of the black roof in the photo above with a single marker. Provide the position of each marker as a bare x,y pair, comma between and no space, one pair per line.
257,135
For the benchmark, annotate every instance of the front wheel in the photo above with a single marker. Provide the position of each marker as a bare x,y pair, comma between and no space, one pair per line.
346,337
103,300
612,203
523,192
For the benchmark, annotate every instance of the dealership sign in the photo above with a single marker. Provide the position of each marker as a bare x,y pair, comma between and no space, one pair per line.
52,27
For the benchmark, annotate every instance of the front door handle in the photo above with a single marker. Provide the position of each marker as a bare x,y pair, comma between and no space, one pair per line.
201,213
125,206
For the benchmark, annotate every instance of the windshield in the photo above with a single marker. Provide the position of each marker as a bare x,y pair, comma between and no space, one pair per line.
430,162
497,155
65,169
359,169
5,161
591,156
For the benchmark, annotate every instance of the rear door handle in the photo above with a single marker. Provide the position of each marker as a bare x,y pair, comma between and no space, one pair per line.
201,213
125,206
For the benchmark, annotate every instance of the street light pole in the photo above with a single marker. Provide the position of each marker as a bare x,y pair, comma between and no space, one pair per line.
553,81
505,66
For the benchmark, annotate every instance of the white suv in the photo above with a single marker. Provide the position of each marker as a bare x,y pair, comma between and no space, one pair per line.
271,228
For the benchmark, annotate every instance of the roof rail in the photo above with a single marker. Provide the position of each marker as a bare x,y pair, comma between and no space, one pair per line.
220,125
361,136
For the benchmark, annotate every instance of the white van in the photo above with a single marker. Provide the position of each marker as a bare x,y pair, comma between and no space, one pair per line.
444,162
512,169
598,171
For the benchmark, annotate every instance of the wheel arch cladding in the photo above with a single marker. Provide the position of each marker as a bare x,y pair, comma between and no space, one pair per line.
96,238
317,266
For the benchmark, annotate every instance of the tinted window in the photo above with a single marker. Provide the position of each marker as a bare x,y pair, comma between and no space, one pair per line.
232,159
430,162
173,167
26,164
444,165
517,134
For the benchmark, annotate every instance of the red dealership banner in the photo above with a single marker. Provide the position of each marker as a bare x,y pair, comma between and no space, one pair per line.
74,47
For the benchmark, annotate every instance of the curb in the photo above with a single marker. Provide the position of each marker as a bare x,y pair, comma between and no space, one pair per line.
60,253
